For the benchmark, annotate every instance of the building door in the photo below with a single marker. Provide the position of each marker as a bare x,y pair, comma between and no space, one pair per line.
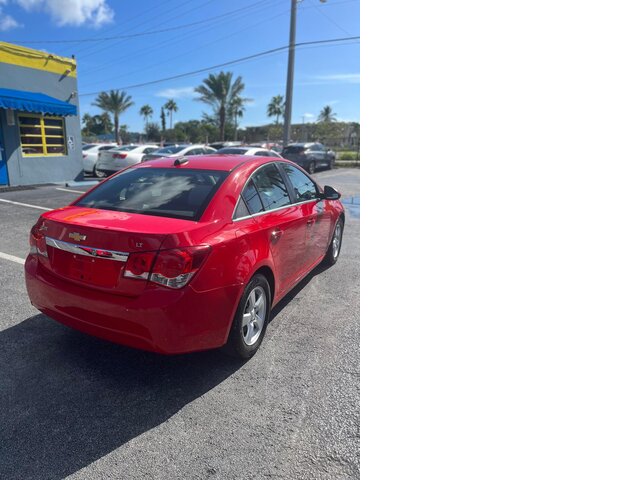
4,178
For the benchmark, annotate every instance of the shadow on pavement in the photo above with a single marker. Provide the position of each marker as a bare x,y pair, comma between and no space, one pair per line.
68,399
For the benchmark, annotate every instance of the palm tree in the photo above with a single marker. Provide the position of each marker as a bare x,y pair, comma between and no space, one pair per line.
146,112
237,109
327,115
115,102
219,91
276,107
171,107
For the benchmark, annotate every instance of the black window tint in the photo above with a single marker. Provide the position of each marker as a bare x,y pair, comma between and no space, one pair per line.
270,184
252,198
262,153
183,193
303,186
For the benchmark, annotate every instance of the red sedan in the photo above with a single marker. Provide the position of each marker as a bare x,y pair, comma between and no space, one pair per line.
180,255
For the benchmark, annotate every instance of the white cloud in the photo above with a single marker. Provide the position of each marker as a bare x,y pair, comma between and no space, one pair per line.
182,92
7,22
94,13
309,115
339,78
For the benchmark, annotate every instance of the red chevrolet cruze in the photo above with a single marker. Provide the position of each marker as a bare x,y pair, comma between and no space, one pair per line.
181,255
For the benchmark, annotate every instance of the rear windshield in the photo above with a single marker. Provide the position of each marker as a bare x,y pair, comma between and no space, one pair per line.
126,148
293,150
174,149
233,151
87,147
175,193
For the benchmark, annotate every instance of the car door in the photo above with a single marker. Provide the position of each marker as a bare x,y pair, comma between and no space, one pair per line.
280,222
306,195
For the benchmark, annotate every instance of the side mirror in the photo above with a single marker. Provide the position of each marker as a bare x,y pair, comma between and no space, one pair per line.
331,193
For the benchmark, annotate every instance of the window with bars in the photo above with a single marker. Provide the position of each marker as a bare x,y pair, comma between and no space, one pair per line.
42,136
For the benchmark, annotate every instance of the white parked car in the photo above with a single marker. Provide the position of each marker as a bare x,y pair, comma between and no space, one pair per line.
260,152
90,155
111,161
180,151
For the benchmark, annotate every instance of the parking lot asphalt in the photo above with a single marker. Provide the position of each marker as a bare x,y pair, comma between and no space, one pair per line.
72,405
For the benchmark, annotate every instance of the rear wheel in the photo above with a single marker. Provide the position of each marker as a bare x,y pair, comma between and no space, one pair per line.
333,252
99,173
312,167
250,321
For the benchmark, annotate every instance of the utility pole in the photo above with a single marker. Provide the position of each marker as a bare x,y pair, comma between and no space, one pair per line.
292,54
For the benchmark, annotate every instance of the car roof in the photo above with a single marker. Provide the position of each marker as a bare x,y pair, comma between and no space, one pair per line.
214,161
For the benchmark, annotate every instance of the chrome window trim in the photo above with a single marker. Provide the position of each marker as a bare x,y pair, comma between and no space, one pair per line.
275,209
82,250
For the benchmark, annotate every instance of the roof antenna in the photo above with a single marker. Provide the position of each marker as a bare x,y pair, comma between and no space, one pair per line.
180,161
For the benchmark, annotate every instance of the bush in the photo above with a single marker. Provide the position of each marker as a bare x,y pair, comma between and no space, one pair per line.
348,156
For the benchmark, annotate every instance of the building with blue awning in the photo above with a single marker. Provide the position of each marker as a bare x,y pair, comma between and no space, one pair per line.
40,139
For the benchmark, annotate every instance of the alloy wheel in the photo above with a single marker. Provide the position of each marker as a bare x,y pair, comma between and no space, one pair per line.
337,238
253,316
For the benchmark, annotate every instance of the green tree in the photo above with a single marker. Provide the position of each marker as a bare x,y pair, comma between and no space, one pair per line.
163,119
327,115
276,107
152,131
171,107
145,112
237,109
219,91
114,102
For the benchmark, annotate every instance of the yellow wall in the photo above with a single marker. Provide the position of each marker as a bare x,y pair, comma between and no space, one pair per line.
27,57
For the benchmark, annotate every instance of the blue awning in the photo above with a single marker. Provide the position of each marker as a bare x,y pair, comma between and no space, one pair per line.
35,102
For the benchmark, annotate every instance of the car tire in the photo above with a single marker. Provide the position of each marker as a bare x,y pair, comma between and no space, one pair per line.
312,168
244,337
100,173
335,245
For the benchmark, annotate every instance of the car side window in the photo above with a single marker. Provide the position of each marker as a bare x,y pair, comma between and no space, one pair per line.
271,186
194,151
304,188
252,201
262,153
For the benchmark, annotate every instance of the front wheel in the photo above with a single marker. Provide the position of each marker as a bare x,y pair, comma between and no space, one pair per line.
251,319
333,252
312,168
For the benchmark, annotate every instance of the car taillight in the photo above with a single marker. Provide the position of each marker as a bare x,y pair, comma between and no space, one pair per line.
37,242
171,268
139,265
119,155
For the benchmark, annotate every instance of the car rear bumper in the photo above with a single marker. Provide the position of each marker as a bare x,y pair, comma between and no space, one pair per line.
160,320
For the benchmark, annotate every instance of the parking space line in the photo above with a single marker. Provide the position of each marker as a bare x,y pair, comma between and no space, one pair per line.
25,205
67,190
6,256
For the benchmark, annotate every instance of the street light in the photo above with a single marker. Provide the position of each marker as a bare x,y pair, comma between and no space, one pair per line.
292,54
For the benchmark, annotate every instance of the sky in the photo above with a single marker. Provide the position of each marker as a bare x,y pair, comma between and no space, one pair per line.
222,31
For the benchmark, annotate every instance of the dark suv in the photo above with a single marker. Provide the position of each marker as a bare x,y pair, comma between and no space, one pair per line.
310,155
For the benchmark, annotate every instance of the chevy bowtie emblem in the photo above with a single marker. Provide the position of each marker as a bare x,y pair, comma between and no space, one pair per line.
77,237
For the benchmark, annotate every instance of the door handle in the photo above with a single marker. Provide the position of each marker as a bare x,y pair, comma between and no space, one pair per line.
310,222
276,234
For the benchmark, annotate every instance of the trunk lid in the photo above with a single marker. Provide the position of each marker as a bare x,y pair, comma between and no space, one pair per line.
91,246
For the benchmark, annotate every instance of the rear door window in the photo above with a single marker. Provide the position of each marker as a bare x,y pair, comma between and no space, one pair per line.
271,187
163,192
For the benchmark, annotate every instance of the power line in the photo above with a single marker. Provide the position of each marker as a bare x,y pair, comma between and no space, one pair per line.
231,62
167,59
132,35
